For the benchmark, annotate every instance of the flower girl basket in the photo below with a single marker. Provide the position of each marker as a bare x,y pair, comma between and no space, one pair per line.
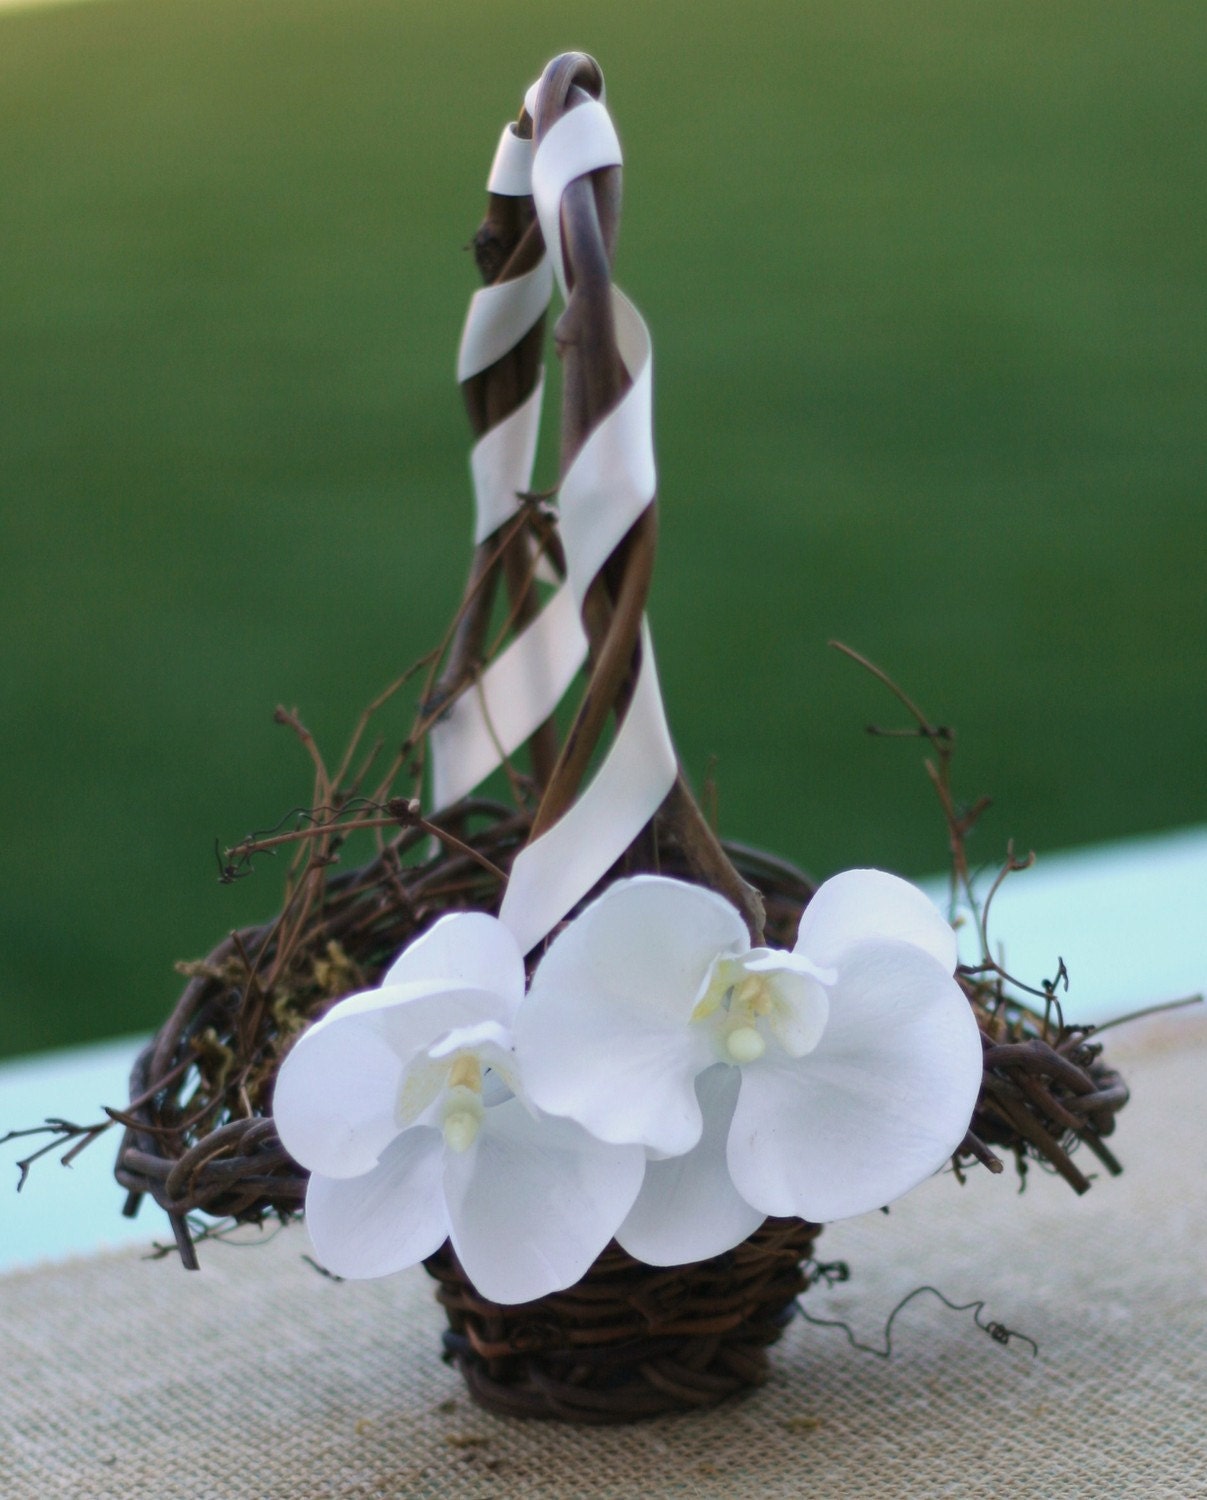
597,812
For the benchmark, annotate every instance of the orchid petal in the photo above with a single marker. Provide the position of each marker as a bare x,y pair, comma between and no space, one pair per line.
862,904
688,1208
419,1093
338,1090
468,948
800,1006
485,1035
623,1082
647,943
877,1107
334,1100
491,1045
776,960
385,1220
604,1036
412,1017
533,1202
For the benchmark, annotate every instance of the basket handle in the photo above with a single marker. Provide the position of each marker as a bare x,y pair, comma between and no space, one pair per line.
607,524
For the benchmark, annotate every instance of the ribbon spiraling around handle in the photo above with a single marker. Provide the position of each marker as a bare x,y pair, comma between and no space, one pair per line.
520,689
609,484
603,493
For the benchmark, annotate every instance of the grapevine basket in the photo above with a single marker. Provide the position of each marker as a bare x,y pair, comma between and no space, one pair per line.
629,1340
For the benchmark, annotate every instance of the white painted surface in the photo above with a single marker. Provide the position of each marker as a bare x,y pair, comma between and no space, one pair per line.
1127,918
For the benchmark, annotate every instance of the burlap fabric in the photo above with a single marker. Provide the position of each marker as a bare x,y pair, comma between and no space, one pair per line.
258,1378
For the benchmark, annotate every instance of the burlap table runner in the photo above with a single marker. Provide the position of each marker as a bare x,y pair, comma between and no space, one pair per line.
258,1378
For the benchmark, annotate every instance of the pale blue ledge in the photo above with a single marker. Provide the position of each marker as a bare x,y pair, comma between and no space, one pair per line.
1127,918
76,1210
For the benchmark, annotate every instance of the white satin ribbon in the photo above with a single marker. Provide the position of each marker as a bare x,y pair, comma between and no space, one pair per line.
522,687
582,141
499,317
557,870
501,464
608,486
513,696
611,481
511,171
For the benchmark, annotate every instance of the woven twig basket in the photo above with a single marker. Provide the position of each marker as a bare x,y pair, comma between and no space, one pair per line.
629,1340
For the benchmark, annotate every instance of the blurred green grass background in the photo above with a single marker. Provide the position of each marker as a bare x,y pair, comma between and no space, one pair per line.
927,289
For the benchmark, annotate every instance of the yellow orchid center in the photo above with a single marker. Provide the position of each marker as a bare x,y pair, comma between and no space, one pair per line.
465,1073
454,1085
461,1129
747,1007
744,1044
463,1109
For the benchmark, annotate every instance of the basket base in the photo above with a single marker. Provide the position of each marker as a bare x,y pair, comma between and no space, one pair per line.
629,1340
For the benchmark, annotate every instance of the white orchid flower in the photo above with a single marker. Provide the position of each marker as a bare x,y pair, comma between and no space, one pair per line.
819,1083
406,1104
